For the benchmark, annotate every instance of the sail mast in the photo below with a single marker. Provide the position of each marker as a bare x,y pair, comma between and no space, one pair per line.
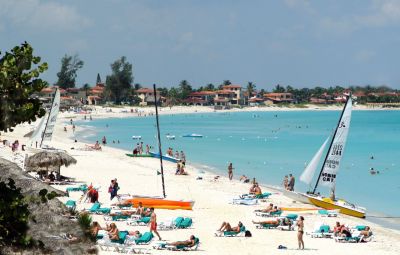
330,145
159,140
48,118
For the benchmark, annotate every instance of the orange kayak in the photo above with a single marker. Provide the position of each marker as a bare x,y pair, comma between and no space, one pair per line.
160,203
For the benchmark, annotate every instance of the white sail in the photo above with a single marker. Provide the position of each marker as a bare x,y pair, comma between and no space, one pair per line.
55,107
36,136
332,163
308,173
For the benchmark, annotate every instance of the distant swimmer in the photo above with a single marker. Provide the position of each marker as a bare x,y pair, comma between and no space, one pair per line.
372,157
372,171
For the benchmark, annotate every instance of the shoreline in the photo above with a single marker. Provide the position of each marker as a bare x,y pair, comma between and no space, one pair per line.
212,201
375,217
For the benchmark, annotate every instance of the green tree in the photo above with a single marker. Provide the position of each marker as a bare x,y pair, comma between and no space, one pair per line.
19,79
210,87
251,86
86,88
14,216
173,95
184,89
119,82
98,79
163,91
69,67
137,86
279,89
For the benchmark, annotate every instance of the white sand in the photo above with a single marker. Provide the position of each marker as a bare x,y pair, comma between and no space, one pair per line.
212,198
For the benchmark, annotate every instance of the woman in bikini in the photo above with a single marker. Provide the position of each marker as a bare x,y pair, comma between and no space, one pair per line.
300,232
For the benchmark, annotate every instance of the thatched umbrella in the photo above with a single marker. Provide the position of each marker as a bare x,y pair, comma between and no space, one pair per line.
47,159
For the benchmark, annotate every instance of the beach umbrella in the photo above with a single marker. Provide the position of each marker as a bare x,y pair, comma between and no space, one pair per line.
47,159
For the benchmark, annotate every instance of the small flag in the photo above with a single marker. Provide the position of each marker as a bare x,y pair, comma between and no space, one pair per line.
158,172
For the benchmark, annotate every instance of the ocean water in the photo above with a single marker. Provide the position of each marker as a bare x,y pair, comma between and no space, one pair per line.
269,145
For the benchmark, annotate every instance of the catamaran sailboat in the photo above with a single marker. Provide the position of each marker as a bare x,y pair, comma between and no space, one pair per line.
330,167
44,130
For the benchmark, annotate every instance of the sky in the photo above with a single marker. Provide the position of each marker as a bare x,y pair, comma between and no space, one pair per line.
302,43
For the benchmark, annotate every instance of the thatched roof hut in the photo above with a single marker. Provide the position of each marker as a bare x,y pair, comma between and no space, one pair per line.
49,223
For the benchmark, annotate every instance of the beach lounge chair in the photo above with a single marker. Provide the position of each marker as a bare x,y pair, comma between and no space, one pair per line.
244,201
328,213
82,188
98,210
137,222
324,231
118,217
145,238
185,223
264,195
164,246
71,205
269,225
232,233
106,244
169,225
269,214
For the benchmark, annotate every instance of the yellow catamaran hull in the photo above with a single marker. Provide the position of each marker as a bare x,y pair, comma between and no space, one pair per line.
331,205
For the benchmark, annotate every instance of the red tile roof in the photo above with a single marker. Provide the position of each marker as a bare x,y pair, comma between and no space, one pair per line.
225,91
144,90
202,93
232,86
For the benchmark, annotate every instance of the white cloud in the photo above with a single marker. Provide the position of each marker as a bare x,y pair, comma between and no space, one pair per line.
364,55
381,13
384,12
43,15
299,4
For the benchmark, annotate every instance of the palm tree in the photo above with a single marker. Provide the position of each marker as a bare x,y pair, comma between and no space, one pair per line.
86,87
251,86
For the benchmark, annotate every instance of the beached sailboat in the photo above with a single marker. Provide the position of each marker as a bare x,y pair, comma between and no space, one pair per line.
44,130
330,167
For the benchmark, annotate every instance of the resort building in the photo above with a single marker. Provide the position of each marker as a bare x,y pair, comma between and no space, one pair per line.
276,98
200,98
224,97
237,98
146,96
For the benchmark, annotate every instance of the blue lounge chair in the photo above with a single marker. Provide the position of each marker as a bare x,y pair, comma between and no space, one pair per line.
185,223
233,233
324,231
122,237
292,216
141,221
70,204
97,209
82,188
264,195
145,238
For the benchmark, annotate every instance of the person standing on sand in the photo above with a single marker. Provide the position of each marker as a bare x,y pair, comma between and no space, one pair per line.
291,182
230,171
147,149
300,232
153,223
285,182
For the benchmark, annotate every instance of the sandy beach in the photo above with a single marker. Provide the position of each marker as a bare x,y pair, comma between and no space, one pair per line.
212,197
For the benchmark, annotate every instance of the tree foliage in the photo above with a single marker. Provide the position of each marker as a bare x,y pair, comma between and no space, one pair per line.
19,79
68,73
98,79
119,82
184,89
14,216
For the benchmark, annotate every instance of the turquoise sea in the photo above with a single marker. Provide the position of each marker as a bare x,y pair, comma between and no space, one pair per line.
269,145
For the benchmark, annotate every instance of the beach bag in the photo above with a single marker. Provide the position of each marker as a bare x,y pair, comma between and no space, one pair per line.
247,233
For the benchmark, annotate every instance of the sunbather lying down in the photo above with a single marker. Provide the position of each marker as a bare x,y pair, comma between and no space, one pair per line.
188,243
227,227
